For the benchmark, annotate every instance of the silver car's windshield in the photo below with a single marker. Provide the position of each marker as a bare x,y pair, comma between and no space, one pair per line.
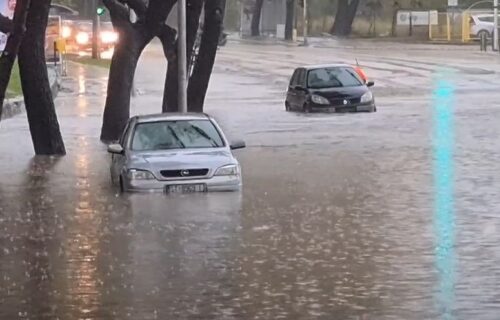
184,134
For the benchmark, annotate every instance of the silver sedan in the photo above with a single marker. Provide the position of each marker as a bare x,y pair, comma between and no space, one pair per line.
175,153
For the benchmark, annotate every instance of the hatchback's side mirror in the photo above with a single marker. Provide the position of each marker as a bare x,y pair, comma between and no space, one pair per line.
238,145
370,83
115,149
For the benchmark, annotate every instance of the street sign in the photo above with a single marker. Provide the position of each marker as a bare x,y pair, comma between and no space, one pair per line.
452,3
418,18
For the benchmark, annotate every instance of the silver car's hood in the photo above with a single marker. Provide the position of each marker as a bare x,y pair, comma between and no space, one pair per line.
181,159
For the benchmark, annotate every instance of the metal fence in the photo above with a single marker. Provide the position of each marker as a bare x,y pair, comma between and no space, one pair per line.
451,27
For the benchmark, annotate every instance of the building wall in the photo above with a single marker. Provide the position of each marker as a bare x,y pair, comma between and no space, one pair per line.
273,13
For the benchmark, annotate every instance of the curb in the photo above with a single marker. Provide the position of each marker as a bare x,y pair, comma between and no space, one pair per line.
14,106
358,43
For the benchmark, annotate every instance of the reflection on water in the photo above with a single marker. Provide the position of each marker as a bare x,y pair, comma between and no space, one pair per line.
82,240
444,215
351,217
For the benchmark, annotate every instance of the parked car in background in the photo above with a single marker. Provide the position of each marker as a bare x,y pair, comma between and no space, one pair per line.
333,88
482,24
175,153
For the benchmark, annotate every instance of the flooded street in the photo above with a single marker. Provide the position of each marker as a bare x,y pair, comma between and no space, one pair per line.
390,215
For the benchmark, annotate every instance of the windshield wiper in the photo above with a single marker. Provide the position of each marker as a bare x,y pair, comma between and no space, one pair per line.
206,136
183,146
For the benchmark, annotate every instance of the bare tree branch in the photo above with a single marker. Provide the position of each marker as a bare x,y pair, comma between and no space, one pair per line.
139,6
118,11
167,37
5,24
157,13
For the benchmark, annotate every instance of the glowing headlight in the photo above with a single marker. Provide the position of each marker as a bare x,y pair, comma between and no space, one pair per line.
66,32
367,97
109,37
134,174
230,170
319,99
82,38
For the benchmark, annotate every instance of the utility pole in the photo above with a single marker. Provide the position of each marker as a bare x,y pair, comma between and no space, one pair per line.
96,21
495,30
181,56
306,23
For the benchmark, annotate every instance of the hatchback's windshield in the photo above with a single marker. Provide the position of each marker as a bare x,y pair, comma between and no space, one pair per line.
333,78
183,134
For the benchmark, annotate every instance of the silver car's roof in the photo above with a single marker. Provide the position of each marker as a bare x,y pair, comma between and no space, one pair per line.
322,66
171,117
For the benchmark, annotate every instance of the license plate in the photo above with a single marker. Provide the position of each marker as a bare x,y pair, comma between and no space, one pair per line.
186,188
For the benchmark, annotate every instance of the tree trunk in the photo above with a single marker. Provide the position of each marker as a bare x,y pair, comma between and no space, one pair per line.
5,24
198,83
40,108
170,92
9,54
134,37
121,76
290,17
257,12
344,18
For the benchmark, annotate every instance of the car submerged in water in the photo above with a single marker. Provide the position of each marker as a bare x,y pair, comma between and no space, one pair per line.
332,88
175,153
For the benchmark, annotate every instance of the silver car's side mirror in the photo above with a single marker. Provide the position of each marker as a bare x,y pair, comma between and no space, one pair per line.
238,145
115,149
370,83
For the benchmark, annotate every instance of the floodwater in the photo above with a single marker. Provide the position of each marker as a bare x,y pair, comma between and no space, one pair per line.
391,215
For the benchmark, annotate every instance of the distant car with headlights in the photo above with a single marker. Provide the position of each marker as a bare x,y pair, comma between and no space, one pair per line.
333,88
79,35
175,153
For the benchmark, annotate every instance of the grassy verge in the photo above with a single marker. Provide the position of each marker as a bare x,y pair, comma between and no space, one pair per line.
103,63
14,88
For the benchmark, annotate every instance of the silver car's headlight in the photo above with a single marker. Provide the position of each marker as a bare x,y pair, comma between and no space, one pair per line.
134,174
367,97
230,170
319,99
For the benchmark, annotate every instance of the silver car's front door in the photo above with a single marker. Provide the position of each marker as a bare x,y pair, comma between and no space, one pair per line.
118,161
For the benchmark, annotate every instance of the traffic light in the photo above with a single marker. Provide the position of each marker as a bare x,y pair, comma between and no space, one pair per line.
100,11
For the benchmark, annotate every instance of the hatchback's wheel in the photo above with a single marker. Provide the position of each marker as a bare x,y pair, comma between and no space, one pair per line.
287,106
